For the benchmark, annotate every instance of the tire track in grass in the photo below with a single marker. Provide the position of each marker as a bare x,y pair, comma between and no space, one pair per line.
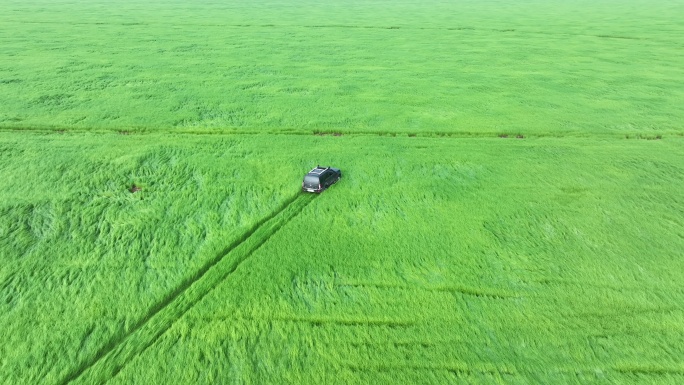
116,353
456,368
511,135
480,292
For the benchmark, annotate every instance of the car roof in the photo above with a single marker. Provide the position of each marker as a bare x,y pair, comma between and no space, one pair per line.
318,170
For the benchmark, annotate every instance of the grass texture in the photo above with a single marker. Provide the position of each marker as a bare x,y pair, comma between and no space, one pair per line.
83,256
439,262
479,68
434,260
510,211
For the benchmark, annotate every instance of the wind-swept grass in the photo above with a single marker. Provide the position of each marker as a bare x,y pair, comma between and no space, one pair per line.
83,258
468,67
438,261
510,212
434,259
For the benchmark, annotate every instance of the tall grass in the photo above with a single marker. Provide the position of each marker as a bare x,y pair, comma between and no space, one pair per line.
544,248
84,258
436,261
467,67
433,260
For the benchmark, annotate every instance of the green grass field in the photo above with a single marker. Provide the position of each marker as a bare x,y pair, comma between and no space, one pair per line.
462,68
510,212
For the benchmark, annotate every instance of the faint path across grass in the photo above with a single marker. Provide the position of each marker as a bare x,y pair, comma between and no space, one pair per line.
114,355
503,134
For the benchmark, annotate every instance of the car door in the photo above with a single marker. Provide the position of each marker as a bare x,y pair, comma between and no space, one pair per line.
330,177
324,179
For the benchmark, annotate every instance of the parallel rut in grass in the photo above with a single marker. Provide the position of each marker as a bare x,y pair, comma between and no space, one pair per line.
114,355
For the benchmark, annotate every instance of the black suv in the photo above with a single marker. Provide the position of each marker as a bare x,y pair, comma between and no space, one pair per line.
320,178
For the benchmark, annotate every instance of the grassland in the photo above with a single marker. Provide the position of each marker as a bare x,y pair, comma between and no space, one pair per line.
545,260
461,68
502,217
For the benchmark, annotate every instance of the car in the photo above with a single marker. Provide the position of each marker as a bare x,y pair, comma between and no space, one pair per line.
320,178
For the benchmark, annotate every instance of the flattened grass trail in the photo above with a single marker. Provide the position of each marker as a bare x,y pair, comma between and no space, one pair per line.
487,259
511,209
115,354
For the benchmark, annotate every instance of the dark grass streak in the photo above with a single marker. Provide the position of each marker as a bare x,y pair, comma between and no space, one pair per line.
362,322
476,292
644,370
399,134
120,349
462,290
457,369
346,26
317,321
